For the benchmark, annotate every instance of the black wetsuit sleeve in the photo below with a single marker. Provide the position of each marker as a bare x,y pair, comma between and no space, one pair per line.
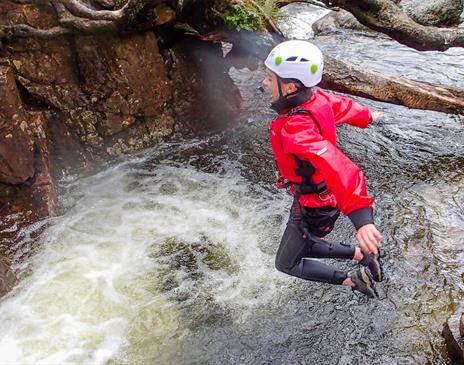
361,217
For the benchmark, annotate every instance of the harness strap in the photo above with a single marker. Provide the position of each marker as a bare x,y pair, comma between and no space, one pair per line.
305,168
310,189
303,111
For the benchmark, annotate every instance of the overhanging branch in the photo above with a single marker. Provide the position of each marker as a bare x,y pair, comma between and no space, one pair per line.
387,17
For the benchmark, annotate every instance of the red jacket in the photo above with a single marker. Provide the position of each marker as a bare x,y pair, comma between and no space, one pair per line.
299,135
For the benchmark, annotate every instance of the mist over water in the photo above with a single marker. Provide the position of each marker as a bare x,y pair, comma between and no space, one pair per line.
167,257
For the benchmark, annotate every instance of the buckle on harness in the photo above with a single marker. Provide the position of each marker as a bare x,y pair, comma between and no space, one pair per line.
281,182
325,195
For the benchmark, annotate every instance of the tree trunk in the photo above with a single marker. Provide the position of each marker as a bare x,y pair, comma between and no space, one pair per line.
387,17
351,79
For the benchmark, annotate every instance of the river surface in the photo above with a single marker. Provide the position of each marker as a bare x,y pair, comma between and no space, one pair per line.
167,257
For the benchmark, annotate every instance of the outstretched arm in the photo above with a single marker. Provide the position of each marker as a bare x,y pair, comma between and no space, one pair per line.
348,111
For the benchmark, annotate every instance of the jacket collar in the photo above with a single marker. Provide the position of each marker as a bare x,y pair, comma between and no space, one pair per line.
289,102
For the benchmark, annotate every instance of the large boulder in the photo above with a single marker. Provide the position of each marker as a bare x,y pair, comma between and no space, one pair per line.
335,20
433,12
113,91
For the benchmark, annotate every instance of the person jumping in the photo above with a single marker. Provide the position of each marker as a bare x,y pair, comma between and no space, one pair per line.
322,179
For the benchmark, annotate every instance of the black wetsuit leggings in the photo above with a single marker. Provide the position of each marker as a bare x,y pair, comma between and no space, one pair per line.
302,240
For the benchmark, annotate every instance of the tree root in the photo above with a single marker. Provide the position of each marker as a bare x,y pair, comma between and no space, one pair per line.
76,17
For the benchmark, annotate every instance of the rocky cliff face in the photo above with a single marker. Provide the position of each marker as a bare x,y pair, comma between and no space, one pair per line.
27,191
100,85
73,101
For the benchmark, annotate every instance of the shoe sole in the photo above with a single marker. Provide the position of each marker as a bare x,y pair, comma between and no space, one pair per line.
368,281
377,275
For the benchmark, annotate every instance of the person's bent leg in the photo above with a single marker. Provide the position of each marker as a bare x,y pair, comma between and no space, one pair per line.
291,250
291,260
321,248
317,271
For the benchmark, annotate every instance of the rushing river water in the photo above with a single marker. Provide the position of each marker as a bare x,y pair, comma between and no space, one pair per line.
167,257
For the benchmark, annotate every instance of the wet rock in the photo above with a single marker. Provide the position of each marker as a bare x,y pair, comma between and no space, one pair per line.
336,20
433,12
124,77
27,190
453,333
101,84
240,58
7,277
16,152
42,192
24,148
247,49
142,134
69,154
205,98
46,70
34,200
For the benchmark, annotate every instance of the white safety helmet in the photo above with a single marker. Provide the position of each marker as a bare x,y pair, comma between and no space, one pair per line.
299,60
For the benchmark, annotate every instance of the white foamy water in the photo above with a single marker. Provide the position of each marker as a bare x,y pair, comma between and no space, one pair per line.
296,20
116,277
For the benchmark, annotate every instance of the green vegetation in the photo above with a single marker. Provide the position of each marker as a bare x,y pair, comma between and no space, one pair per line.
270,8
250,15
242,17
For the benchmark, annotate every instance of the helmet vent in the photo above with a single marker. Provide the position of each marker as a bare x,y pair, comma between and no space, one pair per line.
304,60
291,58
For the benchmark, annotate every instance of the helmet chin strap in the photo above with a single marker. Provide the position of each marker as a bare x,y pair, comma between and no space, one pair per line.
281,95
292,100
279,84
